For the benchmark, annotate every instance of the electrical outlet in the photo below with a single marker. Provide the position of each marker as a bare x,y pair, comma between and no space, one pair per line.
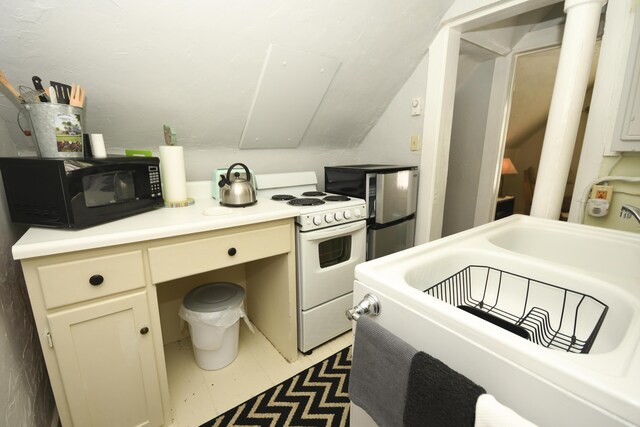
604,192
415,143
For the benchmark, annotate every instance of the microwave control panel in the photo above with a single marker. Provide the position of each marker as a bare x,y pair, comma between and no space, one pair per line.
154,181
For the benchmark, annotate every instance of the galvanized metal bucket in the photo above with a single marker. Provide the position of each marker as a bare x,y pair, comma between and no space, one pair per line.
57,129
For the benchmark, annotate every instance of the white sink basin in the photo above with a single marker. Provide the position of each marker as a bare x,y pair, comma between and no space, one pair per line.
565,262
589,249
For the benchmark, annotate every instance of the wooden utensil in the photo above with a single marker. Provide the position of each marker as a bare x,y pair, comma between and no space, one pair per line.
5,82
77,96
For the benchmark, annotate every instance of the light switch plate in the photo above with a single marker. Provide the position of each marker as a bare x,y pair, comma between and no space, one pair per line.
416,106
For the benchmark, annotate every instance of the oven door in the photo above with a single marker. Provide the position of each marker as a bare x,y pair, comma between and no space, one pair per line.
326,262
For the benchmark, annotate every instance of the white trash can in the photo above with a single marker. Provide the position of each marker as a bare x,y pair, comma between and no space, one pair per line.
213,312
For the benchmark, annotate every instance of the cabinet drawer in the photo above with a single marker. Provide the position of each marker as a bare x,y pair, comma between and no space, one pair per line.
76,281
186,258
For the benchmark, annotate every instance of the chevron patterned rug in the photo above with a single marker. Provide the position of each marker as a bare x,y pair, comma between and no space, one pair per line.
317,396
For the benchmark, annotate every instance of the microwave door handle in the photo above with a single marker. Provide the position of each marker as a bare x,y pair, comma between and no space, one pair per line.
335,231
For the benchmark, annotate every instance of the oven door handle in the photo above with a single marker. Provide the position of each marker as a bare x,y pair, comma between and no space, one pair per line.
335,231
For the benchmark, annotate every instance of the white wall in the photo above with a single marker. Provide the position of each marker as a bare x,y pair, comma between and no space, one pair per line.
389,140
623,193
467,144
196,68
25,394
148,63
202,162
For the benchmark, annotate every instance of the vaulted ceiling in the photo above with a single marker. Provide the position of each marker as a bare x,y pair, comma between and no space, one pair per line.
196,65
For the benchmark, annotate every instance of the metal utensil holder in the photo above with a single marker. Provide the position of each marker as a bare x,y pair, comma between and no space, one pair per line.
57,129
550,315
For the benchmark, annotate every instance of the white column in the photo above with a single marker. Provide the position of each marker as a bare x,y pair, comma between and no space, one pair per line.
576,54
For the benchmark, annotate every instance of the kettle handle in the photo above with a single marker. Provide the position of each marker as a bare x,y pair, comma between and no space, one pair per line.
227,177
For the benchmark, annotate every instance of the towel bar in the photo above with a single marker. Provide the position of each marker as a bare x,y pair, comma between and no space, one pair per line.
369,305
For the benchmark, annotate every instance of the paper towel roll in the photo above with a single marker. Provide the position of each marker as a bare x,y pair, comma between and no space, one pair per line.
97,145
174,181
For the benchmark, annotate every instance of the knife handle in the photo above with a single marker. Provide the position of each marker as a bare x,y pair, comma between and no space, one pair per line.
37,84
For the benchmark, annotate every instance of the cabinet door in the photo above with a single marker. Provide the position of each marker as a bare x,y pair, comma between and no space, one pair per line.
107,363
627,132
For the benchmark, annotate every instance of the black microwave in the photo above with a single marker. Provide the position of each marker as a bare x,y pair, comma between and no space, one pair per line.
79,192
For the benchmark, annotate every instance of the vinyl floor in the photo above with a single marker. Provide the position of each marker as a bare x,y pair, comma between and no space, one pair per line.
198,395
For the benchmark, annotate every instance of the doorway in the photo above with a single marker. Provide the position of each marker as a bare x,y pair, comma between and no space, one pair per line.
534,75
501,105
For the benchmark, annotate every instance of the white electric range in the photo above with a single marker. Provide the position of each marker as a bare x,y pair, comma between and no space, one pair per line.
330,242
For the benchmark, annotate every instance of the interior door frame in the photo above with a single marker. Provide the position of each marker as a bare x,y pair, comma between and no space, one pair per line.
498,119
439,101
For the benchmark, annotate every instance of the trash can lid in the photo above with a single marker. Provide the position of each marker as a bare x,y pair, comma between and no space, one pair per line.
213,297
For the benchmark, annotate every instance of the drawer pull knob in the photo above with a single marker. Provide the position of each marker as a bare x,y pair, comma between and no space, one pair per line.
232,251
96,279
144,330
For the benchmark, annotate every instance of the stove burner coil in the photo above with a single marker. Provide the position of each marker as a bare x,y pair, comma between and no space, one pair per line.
336,199
305,202
282,197
314,193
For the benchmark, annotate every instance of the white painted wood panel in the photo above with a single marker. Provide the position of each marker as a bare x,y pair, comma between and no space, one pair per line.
289,92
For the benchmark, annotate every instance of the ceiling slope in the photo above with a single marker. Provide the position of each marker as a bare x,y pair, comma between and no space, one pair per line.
196,65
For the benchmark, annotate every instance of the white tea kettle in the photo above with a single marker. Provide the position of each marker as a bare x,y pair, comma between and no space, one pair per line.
236,191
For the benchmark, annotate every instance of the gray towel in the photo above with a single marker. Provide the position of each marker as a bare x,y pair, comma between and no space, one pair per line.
439,396
380,372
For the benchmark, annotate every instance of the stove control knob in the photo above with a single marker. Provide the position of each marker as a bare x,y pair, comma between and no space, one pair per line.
347,214
357,213
328,218
338,216
317,220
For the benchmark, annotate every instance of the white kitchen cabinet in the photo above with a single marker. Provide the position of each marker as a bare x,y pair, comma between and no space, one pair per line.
107,365
99,321
90,308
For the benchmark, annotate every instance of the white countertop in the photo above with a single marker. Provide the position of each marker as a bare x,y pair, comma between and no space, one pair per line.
156,224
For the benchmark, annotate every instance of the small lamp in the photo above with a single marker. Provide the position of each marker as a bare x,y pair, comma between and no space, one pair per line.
508,168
